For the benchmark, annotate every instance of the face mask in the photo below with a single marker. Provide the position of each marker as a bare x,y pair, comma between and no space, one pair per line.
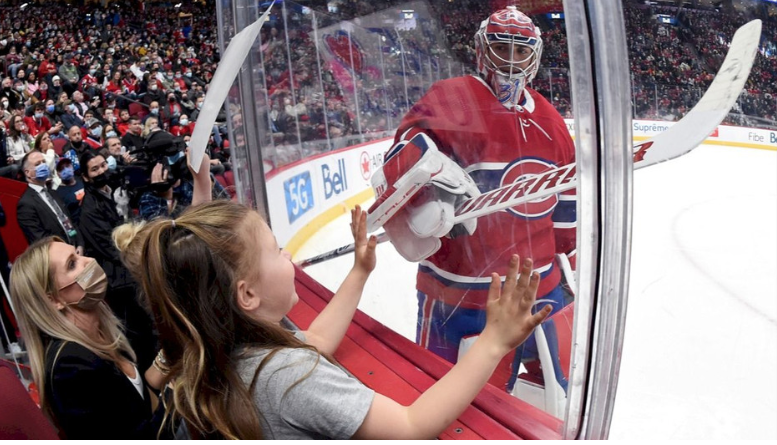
173,159
102,179
91,72
111,134
111,163
184,122
42,172
97,131
67,173
20,88
38,115
49,108
154,111
177,76
72,108
199,105
94,283
188,74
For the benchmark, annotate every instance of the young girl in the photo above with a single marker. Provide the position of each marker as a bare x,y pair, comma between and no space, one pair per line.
219,288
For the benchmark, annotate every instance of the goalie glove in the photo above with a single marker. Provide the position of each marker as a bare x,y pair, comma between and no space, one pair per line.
417,191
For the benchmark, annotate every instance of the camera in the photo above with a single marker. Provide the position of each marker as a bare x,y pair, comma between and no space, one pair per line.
160,147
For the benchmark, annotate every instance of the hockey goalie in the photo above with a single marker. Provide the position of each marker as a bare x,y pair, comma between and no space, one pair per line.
469,135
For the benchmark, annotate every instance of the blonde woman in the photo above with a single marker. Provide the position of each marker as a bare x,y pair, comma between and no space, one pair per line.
80,358
151,124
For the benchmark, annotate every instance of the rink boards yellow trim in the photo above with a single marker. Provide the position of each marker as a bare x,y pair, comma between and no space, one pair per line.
304,234
329,215
726,143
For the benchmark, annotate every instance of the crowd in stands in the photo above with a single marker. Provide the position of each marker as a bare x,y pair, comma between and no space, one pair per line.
86,76
671,64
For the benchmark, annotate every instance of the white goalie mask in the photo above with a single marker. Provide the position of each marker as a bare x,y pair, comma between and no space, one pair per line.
508,48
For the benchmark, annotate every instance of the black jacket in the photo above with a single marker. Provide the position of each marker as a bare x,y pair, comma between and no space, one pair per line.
91,398
98,219
37,220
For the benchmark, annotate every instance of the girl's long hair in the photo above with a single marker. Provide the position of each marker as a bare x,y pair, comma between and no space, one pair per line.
32,282
188,272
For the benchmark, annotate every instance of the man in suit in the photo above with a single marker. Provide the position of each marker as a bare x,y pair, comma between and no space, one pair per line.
41,213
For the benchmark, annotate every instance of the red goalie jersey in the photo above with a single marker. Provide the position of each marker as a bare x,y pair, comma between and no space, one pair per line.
496,146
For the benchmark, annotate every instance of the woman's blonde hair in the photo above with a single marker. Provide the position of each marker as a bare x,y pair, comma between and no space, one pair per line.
33,288
188,269
147,126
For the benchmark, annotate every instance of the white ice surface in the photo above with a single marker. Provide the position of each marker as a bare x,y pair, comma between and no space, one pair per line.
700,353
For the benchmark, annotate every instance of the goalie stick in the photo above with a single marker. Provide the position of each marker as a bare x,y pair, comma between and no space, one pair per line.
340,251
682,137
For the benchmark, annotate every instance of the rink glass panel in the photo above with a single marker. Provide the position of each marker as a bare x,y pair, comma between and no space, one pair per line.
315,85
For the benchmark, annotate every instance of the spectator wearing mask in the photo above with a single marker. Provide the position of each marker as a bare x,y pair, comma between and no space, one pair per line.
17,94
99,217
51,113
87,370
40,212
94,132
172,111
113,145
153,94
184,127
153,111
70,117
38,121
71,189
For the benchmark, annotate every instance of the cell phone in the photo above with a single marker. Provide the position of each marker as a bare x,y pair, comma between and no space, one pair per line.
123,150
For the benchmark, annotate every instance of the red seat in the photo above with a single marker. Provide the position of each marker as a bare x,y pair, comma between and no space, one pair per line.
21,418
137,110
59,144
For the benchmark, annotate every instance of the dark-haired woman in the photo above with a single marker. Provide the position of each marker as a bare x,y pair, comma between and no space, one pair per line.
98,219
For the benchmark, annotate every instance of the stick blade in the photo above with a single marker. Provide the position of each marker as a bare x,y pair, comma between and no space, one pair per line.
713,107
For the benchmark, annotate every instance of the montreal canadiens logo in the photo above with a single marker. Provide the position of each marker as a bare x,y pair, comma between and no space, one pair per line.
345,50
523,169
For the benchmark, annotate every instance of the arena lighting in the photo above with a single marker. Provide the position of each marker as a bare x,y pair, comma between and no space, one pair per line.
23,6
178,5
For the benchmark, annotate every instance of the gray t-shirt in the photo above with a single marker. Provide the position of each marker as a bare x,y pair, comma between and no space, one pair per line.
327,404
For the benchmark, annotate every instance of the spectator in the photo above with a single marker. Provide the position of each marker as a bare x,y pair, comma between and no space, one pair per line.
68,73
41,213
19,142
80,359
94,133
38,121
71,189
133,138
98,219
70,117
74,147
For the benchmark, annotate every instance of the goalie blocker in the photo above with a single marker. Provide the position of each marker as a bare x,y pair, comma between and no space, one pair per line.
417,191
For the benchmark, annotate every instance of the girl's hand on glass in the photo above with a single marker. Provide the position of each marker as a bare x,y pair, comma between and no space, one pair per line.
364,248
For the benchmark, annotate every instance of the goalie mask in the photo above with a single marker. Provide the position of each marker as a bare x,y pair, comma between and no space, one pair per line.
508,48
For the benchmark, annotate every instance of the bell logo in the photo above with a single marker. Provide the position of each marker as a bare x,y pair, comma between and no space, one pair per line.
334,182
